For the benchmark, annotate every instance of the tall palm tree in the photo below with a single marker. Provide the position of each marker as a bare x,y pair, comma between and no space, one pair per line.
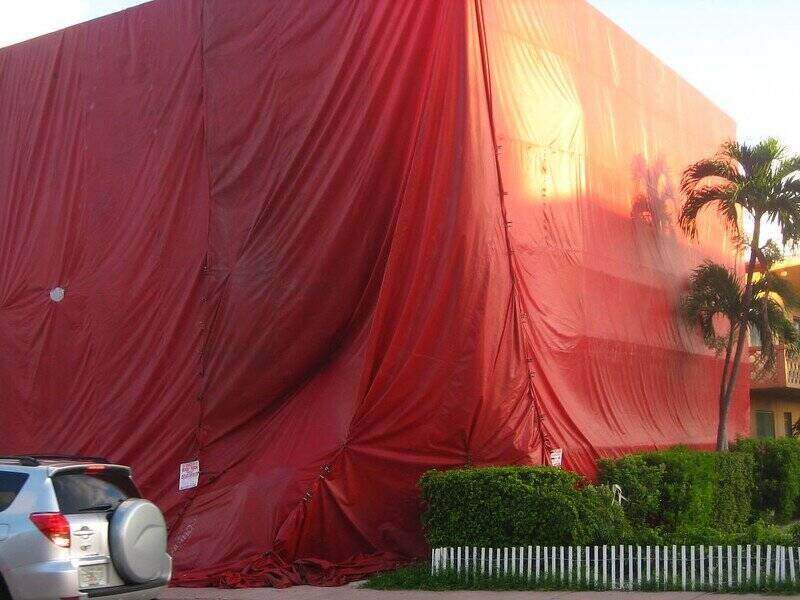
763,182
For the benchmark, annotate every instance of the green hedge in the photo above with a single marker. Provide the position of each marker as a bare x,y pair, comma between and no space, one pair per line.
513,506
776,464
681,495
674,496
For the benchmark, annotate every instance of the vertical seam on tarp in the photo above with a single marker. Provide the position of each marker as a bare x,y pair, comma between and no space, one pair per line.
516,296
205,273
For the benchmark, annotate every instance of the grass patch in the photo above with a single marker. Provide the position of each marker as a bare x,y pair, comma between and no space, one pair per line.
419,577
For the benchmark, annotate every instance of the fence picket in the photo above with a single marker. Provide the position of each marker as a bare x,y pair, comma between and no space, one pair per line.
791,564
739,565
596,565
630,566
666,565
639,565
702,566
569,564
674,565
658,573
546,569
710,566
613,566
783,563
538,548
768,573
730,568
647,563
588,574
758,564
683,568
561,562
530,561
776,562
748,562
621,567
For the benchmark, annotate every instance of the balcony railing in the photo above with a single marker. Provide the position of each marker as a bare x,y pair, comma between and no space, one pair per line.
785,375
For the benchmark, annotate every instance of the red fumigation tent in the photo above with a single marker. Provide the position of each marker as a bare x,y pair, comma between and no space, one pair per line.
321,246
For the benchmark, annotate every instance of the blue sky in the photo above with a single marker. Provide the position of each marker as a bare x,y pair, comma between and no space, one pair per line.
742,54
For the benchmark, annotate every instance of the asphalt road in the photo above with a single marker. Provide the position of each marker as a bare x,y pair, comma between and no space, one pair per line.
352,592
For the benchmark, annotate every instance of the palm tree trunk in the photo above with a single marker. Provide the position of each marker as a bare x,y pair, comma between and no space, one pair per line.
747,300
722,423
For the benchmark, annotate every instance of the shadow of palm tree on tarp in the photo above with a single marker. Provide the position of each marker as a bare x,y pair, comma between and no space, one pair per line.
654,194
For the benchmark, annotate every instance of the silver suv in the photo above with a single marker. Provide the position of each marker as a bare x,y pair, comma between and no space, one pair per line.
76,528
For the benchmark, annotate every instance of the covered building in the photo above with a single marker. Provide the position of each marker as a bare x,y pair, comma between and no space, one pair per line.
321,246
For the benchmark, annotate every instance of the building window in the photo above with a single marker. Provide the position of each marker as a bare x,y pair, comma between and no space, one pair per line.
765,424
787,424
755,337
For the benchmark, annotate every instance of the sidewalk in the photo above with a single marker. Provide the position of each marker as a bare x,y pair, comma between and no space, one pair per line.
352,592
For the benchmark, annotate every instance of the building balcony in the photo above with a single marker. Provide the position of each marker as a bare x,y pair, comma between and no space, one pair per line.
786,375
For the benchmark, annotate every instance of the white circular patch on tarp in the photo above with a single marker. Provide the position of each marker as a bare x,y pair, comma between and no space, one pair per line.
57,294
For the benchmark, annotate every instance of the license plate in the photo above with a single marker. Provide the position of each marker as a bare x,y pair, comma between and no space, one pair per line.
92,576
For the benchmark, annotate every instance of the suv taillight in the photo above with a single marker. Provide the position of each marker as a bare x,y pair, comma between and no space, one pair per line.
54,526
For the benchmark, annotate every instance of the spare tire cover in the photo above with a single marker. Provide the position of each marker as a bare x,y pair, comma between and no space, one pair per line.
138,539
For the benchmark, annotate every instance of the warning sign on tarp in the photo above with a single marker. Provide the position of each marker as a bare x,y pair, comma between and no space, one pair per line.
189,475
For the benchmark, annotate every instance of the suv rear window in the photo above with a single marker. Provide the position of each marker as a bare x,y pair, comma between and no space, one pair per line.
10,485
97,491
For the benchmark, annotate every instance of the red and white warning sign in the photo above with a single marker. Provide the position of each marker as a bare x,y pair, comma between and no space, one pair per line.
556,454
189,475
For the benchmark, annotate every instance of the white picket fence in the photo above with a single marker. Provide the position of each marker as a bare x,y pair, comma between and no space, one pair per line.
632,567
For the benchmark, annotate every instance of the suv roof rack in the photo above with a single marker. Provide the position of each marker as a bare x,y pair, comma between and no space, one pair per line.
77,457
34,460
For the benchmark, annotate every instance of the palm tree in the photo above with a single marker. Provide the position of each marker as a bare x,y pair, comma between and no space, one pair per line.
763,182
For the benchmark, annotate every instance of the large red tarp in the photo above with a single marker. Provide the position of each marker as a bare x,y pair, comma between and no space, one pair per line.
322,246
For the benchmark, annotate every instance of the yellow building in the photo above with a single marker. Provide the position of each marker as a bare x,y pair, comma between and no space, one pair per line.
775,398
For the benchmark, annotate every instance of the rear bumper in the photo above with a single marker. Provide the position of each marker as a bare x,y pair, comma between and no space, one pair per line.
43,581
59,579
144,591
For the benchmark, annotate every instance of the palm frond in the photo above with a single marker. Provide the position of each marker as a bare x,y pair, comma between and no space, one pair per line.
755,160
721,197
773,325
788,166
773,285
783,206
713,290
695,174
